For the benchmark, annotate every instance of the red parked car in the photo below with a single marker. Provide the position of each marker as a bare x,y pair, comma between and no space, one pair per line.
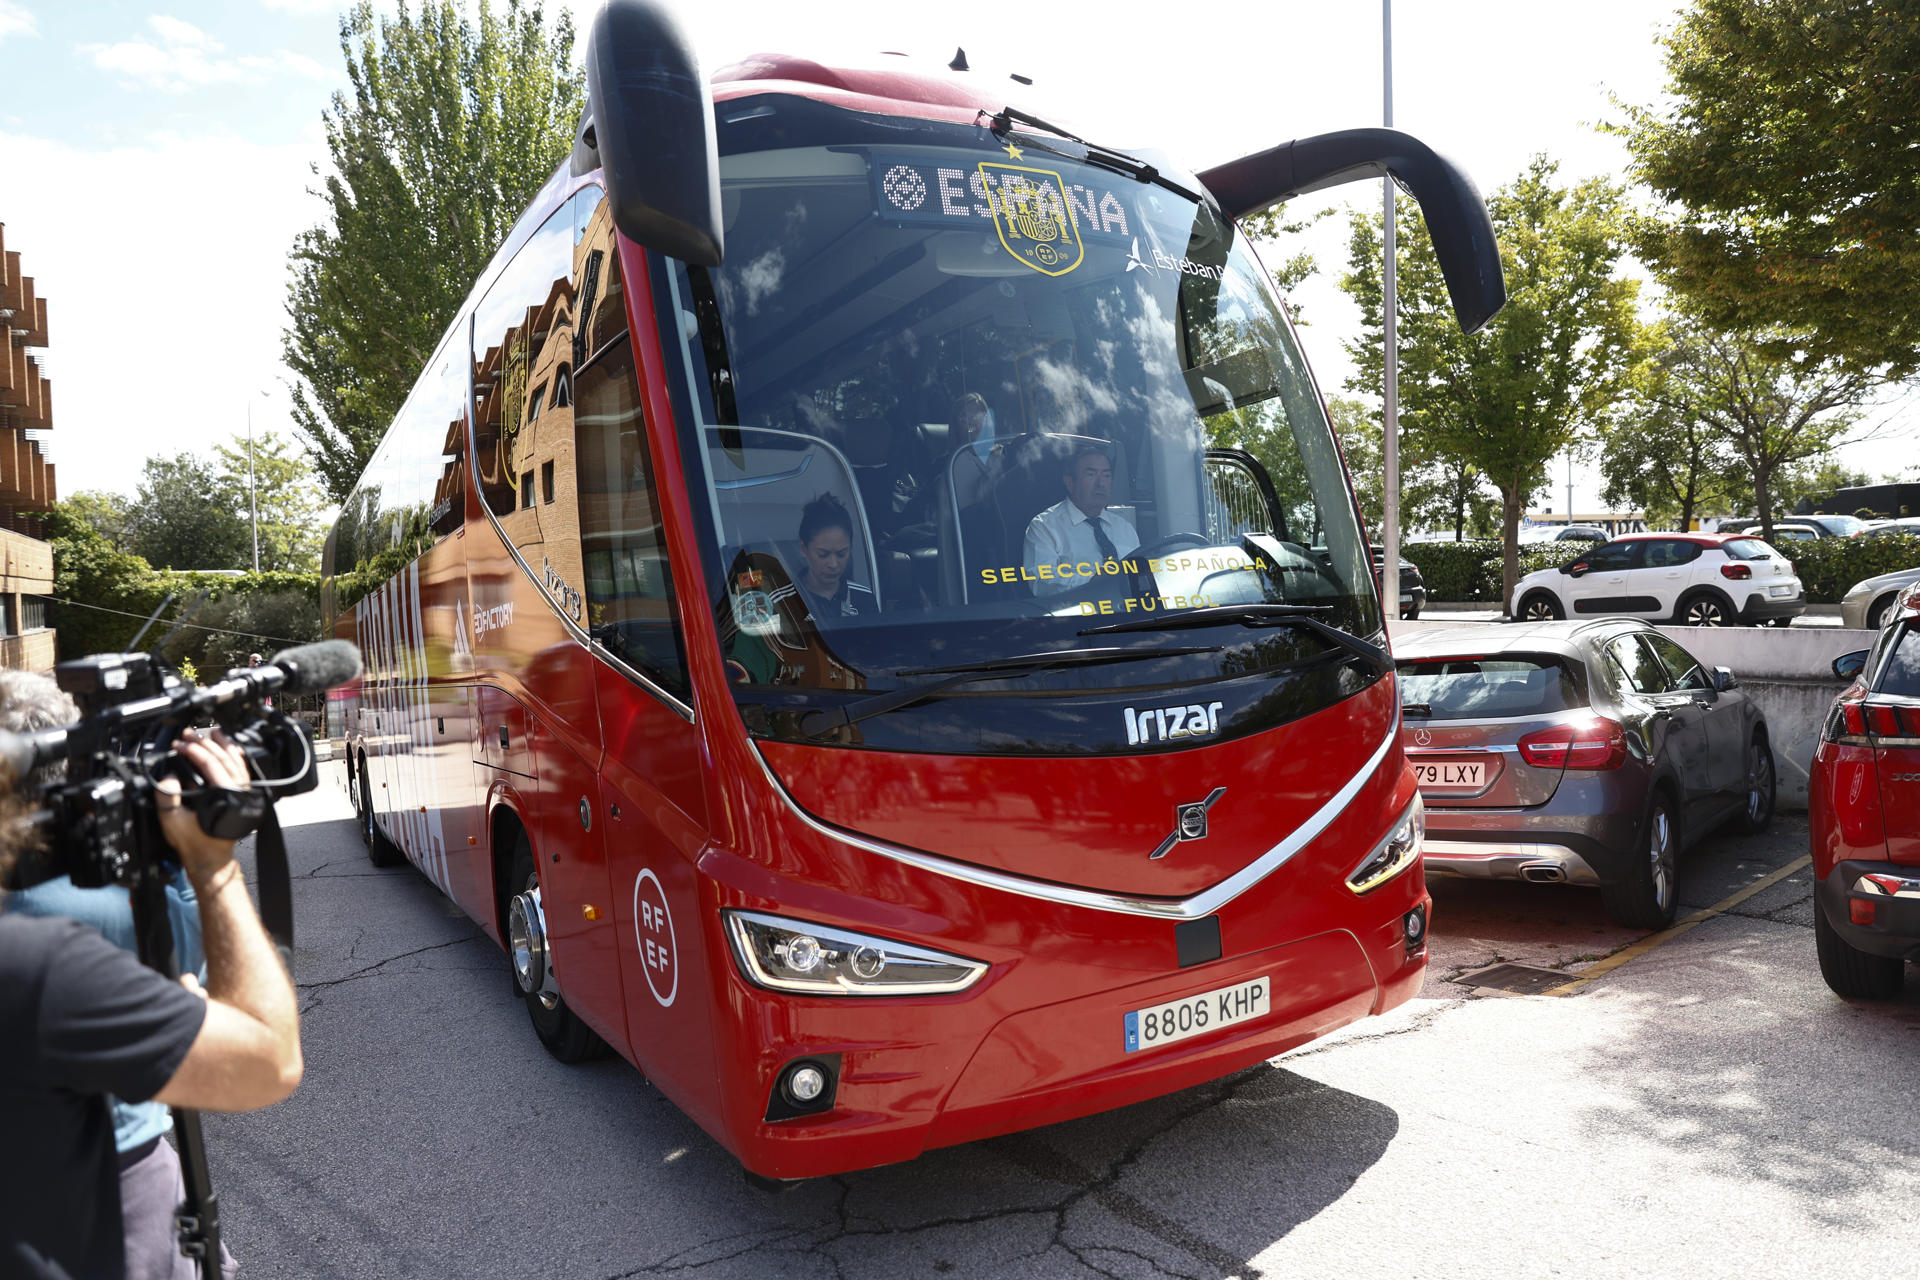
1865,813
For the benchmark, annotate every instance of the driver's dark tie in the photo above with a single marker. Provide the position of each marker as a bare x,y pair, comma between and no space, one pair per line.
1107,550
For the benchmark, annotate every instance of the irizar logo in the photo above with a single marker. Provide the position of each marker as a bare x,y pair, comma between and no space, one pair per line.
1166,724
1166,262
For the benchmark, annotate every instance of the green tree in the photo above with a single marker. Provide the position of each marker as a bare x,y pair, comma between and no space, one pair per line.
1815,480
1272,234
187,516
1436,491
1771,410
289,502
449,128
105,513
1786,160
1544,374
1662,455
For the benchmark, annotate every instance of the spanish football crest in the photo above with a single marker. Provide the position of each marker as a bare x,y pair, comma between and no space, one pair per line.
1030,212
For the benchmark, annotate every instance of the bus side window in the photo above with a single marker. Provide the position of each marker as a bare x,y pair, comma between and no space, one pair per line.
630,607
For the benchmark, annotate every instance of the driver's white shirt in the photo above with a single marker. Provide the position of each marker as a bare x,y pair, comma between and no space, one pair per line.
1061,539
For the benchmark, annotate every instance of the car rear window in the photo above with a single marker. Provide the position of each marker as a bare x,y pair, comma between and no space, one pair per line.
1902,676
1472,688
1746,549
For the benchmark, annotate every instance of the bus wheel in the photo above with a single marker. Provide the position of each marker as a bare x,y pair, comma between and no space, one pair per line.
381,852
559,1028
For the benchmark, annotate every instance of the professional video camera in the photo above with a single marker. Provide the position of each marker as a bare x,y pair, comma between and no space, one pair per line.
99,824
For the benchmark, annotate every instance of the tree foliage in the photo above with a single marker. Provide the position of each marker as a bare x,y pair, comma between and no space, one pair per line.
106,512
448,130
1272,231
289,503
1663,455
1437,491
1787,162
1549,369
186,515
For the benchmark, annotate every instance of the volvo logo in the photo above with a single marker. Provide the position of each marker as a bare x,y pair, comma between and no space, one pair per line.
1189,823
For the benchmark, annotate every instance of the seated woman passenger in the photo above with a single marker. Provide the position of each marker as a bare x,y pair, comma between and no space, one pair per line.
826,544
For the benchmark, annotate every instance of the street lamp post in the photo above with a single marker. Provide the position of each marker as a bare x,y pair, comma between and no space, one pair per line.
253,490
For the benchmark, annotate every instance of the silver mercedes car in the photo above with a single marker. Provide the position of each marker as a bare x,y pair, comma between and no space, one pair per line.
1867,604
1586,752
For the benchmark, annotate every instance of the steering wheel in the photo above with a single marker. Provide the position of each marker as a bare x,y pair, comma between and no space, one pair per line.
1173,542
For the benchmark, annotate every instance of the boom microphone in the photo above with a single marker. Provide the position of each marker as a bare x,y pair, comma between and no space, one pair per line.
313,668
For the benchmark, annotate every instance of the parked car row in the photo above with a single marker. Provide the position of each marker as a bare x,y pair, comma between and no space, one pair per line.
1864,814
1586,752
1689,579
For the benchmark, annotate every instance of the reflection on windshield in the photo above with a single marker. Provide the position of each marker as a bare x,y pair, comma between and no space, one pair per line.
954,399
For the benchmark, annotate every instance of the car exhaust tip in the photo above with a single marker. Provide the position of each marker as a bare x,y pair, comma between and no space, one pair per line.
1543,873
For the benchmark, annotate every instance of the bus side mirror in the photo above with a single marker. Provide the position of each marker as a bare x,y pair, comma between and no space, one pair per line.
1456,216
1848,666
649,129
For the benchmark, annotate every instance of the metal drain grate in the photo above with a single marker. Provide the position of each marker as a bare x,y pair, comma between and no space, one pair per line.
1521,979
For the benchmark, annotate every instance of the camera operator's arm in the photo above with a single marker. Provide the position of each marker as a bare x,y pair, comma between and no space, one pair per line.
247,1054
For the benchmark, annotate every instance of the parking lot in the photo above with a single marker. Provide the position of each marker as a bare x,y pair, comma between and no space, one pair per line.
1706,1108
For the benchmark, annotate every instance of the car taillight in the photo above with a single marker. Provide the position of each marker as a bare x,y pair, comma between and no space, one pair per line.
1738,572
1871,724
1598,743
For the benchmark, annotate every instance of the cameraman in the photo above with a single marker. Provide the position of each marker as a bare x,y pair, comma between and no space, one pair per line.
81,1019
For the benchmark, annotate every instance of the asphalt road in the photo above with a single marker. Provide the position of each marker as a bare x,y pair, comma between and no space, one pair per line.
1707,1109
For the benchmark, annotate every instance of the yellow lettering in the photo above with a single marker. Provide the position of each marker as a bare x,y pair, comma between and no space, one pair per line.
1130,566
1063,570
1106,606
1153,566
1046,571
1131,602
1086,607
1083,570
1025,576
989,577
1259,564
1006,575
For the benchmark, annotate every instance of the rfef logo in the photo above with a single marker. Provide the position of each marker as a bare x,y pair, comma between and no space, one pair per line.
653,933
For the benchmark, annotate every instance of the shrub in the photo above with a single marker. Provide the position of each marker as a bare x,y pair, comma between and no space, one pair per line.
1829,566
1450,569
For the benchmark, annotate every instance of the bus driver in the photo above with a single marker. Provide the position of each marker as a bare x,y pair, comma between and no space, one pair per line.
1077,533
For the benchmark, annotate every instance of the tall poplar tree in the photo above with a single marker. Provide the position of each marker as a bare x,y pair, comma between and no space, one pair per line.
1544,374
449,128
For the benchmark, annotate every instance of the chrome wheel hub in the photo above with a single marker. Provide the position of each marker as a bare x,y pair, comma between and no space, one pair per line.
527,943
1660,856
1759,784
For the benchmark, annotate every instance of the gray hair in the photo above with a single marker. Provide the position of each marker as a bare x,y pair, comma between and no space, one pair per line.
31,701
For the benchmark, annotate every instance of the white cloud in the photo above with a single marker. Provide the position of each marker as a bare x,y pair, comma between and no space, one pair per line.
180,56
158,340
15,20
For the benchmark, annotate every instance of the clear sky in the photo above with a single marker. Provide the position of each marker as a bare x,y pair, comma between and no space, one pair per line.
155,157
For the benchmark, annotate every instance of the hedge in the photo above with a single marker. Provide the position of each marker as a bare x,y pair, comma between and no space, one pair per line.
1830,566
1470,571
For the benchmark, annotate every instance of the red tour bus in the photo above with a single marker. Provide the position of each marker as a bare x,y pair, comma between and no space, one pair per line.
865,606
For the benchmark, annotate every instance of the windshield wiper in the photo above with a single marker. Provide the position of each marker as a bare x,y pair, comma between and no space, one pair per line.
1031,664
1256,615
1091,153
1417,709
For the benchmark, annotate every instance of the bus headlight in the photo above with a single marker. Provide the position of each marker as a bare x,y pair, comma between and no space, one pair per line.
1396,851
815,959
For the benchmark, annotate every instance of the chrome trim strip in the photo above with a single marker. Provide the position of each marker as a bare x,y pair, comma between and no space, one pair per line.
1870,885
1204,903
1499,860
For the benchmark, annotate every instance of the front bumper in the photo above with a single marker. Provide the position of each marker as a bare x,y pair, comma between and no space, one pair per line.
1894,891
1765,608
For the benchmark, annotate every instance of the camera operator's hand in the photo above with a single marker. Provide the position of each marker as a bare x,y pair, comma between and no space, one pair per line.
216,759
247,1054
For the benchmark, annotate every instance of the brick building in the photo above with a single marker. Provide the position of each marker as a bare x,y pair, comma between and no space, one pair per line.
26,477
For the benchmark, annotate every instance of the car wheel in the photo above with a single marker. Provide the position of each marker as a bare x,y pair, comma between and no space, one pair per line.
1541,606
1758,812
1877,616
381,852
1703,610
1648,896
559,1028
1851,972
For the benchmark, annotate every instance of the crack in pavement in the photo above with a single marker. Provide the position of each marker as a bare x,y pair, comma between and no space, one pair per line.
372,968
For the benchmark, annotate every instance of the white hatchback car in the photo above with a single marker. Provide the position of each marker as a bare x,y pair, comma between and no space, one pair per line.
1690,579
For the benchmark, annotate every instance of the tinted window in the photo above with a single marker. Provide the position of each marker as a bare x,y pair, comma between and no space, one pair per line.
1747,549
1475,688
1902,676
1612,557
1643,672
1684,667
1666,552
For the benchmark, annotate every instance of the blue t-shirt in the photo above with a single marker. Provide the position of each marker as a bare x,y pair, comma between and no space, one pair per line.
109,913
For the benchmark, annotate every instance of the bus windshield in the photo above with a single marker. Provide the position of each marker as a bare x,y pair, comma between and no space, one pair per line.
959,399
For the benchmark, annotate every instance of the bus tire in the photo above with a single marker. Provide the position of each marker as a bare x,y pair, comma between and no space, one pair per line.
559,1028
381,852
